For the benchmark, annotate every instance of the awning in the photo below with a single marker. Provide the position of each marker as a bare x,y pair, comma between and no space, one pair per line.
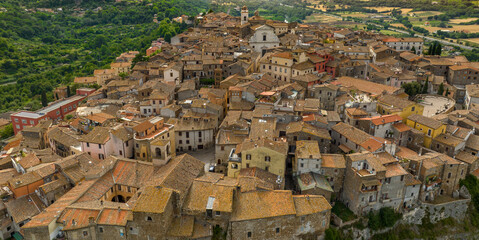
17,236
370,183
344,148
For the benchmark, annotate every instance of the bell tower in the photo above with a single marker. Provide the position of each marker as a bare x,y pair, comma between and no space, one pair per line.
244,15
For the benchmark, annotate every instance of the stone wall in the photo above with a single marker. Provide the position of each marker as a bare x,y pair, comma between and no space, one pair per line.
456,209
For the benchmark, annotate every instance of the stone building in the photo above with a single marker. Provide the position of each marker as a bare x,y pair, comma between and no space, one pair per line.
266,154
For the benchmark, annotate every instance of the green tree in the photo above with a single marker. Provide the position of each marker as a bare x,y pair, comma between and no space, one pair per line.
438,49
68,91
332,234
6,132
440,90
413,50
44,99
412,88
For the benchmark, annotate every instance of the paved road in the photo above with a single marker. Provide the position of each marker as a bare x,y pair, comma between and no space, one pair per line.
445,42
206,155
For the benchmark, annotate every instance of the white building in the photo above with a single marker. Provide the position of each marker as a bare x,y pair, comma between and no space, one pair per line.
405,44
264,38
307,157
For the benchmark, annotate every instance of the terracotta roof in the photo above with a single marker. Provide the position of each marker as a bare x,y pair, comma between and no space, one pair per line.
333,161
473,142
311,180
25,207
278,146
29,161
393,170
395,101
263,204
356,112
426,121
384,119
365,86
153,199
116,217
307,149
99,135
179,174
466,157
401,127
51,213
268,179
296,127
24,179
410,180
100,117
203,195
73,218
354,134
286,55
310,204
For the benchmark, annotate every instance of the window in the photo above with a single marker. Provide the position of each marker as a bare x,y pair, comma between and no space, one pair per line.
100,229
217,213
264,37
99,146
199,134
266,169
24,121
149,219
267,159
85,233
248,156
277,230
429,132
87,144
449,175
249,234
187,134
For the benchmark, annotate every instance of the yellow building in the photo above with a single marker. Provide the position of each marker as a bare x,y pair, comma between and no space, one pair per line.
430,127
265,154
392,104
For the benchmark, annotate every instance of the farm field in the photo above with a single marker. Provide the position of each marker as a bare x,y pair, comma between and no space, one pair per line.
317,17
462,20
466,28
473,40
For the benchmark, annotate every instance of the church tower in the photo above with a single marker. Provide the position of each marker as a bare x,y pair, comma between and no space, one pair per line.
244,15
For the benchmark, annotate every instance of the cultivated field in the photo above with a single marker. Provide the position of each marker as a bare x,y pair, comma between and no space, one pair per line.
462,20
473,40
381,9
317,17
465,28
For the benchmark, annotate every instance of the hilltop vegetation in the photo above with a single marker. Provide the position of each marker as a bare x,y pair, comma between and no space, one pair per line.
40,50
280,10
